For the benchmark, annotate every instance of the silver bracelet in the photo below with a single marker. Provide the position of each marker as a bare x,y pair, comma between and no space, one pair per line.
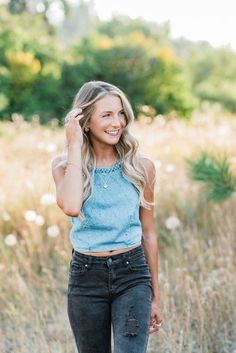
77,165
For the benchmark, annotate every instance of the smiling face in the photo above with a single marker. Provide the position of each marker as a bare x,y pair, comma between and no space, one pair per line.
108,120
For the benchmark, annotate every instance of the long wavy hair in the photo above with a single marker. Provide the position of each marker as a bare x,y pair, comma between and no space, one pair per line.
127,149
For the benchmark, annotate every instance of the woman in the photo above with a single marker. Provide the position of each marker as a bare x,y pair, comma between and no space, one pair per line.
106,187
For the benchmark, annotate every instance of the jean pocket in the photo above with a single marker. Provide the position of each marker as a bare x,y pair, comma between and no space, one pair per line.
138,263
77,267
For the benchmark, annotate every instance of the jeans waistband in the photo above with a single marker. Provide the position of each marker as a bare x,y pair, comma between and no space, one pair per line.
130,253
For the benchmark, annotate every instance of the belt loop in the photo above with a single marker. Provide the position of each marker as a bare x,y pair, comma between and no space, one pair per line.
125,255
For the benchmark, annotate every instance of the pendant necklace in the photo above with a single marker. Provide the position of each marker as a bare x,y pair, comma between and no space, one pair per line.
105,185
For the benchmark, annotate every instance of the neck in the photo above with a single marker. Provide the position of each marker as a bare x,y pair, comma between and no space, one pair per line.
106,163
105,157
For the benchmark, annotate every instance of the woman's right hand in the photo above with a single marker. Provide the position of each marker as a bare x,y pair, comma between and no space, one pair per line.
74,133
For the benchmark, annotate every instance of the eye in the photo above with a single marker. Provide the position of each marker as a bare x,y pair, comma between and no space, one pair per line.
108,114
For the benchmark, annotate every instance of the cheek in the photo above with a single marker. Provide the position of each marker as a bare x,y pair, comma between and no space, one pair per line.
100,124
124,122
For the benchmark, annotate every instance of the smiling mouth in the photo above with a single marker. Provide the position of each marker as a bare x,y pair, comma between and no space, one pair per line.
112,133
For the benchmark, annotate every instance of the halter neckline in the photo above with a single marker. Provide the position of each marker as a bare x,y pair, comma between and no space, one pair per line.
114,167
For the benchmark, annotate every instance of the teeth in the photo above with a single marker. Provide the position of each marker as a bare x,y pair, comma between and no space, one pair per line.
112,132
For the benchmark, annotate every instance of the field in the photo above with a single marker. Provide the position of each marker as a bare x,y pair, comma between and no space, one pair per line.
197,245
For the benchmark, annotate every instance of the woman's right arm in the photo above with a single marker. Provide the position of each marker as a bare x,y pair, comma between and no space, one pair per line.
69,179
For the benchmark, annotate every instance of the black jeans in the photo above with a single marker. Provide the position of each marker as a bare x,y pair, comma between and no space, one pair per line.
105,291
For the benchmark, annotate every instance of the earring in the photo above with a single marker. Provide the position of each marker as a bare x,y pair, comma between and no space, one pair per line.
86,129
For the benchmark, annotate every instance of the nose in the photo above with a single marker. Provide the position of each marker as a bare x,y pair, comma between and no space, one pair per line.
116,122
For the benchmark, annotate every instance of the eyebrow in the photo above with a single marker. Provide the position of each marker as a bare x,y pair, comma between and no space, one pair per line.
110,111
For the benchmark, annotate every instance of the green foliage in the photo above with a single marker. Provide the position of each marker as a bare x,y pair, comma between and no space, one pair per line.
38,75
29,65
17,6
23,68
214,172
213,75
149,75
21,6
121,26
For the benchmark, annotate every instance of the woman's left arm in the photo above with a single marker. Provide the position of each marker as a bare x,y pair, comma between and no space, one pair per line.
150,243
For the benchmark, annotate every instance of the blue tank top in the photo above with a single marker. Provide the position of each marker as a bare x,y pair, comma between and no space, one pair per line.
112,213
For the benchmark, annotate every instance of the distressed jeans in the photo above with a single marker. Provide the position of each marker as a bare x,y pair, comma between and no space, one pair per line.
110,293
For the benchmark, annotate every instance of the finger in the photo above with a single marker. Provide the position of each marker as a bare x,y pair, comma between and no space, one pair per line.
74,120
155,326
78,117
152,329
68,119
152,319
73,113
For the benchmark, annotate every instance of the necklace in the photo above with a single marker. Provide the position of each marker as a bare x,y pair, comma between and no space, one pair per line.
104,183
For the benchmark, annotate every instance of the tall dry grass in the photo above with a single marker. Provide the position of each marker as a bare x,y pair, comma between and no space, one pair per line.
197,245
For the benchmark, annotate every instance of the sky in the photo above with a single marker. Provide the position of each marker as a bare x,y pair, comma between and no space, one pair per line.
211,20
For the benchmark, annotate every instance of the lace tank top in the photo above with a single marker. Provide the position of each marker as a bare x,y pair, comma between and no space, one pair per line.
111,213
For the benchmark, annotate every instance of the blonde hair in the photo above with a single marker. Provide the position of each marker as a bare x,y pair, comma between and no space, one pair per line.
126,148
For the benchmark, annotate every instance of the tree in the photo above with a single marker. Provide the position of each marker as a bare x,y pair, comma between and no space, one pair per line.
30,65
148,75
35,6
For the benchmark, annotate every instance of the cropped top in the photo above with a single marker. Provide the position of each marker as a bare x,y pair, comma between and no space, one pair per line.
111,214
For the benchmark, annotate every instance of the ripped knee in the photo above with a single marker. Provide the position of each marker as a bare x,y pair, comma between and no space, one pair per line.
131,323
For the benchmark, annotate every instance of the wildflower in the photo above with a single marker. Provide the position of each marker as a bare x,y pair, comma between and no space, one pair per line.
53,231
170,168
30,215
10,240
160,120
51,147
17,118
35,119
47,199
54,122
172,222
39,220
29,184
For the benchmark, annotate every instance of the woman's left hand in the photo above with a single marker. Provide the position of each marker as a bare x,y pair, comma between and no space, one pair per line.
156,318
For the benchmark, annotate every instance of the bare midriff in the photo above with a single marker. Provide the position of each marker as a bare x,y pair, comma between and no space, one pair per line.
109,252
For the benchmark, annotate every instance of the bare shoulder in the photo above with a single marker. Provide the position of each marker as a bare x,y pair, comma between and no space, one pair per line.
58,161
147,163
149,169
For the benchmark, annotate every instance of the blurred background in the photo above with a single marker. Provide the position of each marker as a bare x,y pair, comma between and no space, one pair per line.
177,64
